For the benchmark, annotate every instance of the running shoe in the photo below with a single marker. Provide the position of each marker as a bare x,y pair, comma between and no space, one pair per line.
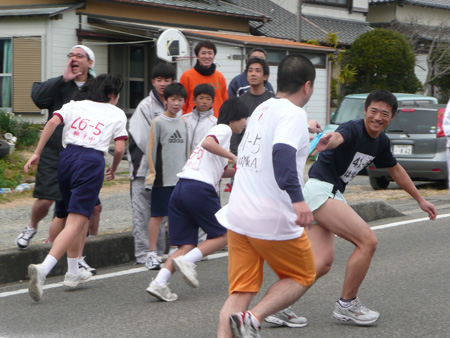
83,265
72,280
37,279
153,262
242,326
286,317
23,240
187,270
355,312
162,292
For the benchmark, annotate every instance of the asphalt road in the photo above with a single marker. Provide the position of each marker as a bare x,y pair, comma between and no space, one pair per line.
407,284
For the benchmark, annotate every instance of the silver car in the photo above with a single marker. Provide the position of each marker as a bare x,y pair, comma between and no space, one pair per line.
419,144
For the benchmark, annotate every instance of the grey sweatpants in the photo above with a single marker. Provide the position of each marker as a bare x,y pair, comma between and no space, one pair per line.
141,203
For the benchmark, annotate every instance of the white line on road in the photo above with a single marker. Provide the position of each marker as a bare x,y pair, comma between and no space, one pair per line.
212,256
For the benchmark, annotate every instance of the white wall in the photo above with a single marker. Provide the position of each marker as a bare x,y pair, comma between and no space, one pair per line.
332,12
421,67
317,106
423,15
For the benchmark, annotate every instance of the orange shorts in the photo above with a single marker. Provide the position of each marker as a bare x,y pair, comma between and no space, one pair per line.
288,259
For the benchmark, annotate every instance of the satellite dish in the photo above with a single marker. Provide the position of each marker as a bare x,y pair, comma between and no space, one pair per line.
172,46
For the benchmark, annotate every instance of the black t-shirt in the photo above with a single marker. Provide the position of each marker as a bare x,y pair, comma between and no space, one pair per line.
340,165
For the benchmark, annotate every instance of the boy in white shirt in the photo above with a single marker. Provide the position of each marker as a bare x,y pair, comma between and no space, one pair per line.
89,126
194,201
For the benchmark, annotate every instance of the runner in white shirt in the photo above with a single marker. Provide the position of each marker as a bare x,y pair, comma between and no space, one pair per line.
266,211
89,127
194,201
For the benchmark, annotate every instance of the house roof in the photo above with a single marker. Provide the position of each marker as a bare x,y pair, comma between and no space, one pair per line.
33,11
203,6
263,41
441,4
284,24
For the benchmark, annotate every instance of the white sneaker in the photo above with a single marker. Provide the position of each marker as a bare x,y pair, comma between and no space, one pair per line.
153,262
83,265
356,312
187,270
286,317
23,240
242,326
72,280
37,279
162,292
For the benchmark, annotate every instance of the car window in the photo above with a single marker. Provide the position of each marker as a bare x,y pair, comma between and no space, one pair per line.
415,102
414,121
349,109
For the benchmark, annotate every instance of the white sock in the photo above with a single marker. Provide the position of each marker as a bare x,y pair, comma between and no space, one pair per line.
194,255
49,263
92,235
163,276
72,265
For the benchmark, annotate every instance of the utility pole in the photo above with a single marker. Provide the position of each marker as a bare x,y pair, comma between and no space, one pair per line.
299,20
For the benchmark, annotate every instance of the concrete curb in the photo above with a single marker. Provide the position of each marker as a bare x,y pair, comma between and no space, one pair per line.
114,249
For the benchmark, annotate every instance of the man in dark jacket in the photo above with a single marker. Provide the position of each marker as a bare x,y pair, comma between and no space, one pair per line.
52,95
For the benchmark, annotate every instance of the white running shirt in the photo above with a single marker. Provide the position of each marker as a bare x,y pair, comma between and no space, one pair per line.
257,207
92,124
204,166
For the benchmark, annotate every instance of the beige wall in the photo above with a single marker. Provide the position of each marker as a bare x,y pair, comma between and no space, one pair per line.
423,15
168,17
381,13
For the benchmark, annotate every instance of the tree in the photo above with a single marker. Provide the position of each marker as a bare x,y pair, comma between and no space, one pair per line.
383,59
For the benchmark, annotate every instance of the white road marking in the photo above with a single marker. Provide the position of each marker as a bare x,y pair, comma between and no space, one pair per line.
212,256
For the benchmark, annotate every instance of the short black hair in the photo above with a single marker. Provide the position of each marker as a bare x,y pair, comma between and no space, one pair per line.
204,88
164,70
175,89
249,55
382,95
262,62
293,72
207,44
99,88
232,110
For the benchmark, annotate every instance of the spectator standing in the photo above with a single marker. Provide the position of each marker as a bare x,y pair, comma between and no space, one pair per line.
239,85
167,152
204,71
139,129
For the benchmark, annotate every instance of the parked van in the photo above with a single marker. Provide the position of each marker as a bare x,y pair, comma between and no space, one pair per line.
352,107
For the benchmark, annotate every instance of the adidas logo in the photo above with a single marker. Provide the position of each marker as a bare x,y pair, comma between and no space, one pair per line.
176,138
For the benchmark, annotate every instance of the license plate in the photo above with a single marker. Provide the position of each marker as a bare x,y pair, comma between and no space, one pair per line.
402,149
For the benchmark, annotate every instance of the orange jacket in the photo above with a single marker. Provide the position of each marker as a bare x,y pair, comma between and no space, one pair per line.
191,78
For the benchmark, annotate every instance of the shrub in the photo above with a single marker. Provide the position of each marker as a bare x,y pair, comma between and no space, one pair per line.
27,134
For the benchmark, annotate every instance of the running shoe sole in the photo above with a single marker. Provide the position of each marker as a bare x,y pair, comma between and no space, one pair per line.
74,284
276,321
344,318
157,295
191,282
33,289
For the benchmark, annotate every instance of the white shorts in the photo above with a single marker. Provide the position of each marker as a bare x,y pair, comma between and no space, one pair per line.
317,192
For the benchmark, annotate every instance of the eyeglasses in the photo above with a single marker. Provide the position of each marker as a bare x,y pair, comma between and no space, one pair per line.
76,56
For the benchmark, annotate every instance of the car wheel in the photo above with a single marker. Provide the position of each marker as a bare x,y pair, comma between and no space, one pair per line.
378,183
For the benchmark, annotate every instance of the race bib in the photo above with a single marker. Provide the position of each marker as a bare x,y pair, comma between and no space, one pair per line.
87,130
359,162
249,151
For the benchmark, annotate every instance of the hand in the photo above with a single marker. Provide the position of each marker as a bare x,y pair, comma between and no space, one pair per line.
233,160
33,161
322,144
109,174
314,127
68,74
429,209
304,214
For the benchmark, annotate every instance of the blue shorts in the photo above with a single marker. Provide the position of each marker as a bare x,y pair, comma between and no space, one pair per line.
160,201
192,206
61,211
80,175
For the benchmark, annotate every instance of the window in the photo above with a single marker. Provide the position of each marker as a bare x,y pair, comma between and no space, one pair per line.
5,73
330,2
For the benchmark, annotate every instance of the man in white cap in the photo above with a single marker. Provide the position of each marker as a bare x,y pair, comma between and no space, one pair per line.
52,95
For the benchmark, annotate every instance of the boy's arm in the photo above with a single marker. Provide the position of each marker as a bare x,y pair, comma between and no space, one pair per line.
46,133
403,180
210,144
118,155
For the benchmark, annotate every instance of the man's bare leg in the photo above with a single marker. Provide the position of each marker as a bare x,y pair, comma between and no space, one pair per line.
39,211
236,302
